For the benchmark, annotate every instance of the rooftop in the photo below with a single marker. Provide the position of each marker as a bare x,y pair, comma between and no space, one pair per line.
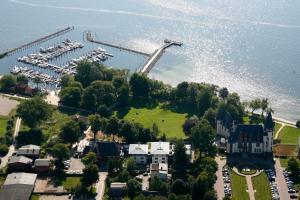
19,159
160,148
138,149
42,162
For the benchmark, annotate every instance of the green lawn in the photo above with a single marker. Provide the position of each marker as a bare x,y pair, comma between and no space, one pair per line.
3,123
239,187
168,122
55,123
290,135
261,185
277,127
284,162
35,197
2,179
71,182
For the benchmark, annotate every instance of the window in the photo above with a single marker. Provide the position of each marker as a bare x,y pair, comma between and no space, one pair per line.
257,144
142,158
156,162
162,161
163,158
156,158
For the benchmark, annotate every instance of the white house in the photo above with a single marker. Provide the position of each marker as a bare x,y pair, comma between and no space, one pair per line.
139,152
160,152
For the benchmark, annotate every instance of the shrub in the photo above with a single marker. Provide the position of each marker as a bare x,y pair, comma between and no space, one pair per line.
3,149
298,124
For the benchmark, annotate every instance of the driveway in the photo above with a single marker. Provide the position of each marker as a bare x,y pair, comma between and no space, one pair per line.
100,186
282,186
12,149
219,185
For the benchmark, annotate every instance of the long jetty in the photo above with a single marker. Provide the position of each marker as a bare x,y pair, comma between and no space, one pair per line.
149,64
91,39
42,39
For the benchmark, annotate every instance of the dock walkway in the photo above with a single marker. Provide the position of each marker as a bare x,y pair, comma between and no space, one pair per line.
91,39
42,39
146,68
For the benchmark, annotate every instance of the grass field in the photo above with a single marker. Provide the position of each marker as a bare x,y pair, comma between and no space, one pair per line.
3,123
71,182
285,150
276,128
55,123
289,135
238,186
168,122
261,185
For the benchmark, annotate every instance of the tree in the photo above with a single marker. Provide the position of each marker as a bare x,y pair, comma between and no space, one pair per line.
60,151
114,165
139,84
203,136
209,165
124,176
264,105
3,149
133,188
90,175
66,80
179,187
70,96
104,111
203,184
7,82
70,132
181,159
123,97
37,80
155,130
95,123
131,165
227,198
34,111
87,73
89,159
112,126
189,124
255,104
223,93
293,167
298,124
210,115
210,195
205,101
32,136
21,79
156,184
129,132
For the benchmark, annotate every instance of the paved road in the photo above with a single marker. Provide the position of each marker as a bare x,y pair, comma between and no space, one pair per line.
145,183
100,186
219,185
250,188
12,149
281,184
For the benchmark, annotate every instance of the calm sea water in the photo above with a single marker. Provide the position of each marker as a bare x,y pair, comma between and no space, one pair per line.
251,47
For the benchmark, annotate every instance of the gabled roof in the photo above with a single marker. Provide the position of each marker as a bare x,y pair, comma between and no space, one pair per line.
108,149
251,133
138,149
42,162
160,148
18,186
19,159
29,150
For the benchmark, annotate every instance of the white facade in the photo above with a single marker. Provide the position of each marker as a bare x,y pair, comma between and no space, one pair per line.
222,130
139,152
160,152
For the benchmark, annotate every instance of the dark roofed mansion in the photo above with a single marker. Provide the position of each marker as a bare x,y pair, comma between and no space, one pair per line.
247,138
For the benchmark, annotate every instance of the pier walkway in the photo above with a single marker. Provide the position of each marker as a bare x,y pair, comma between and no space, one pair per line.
42,39
146,68
91,39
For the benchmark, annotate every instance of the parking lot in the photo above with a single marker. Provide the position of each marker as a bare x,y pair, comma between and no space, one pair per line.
7,105
272,183
227,181
73,166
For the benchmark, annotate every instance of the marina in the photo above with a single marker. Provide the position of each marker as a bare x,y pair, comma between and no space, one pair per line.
42,39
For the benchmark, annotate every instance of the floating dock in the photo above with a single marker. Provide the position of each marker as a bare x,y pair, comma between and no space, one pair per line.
42,39
149,64
91,39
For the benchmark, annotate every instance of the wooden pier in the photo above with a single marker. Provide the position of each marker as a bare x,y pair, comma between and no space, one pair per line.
42,39
149,64
91,39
